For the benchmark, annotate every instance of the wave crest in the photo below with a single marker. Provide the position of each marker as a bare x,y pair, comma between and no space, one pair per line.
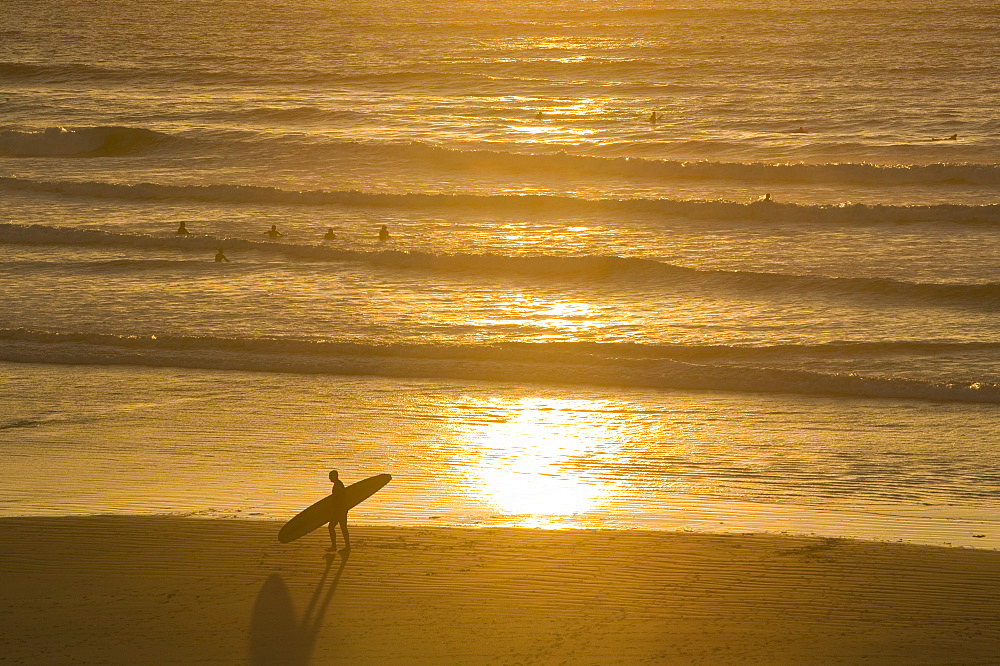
60,141
595,364
758,211
867,174
601,268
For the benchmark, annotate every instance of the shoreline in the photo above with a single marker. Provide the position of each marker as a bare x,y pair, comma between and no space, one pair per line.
718,517
129,589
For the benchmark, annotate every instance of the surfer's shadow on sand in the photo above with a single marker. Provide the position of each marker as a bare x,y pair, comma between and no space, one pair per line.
276,636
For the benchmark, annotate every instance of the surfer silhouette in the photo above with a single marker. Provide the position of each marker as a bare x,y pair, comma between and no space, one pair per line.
182,229
274,233
538,116
339,512
383,234
219,256
653,118
329,235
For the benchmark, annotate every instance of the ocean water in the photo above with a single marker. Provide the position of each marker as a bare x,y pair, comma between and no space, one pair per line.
773,307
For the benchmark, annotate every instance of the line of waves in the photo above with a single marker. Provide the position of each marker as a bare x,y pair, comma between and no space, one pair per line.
602,268
563,363
499,75
255,72
86,141
110,265
114,140
280,113
758,211
515,161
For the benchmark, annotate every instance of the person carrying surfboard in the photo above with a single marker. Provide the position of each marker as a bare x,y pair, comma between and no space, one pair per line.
332,509
338,493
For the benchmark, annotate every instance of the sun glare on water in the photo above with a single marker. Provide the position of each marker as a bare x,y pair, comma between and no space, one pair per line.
552,318
525,465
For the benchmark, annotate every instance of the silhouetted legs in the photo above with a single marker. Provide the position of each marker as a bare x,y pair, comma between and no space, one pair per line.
347,535
332,526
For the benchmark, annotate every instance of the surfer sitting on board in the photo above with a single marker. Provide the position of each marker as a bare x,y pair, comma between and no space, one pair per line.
339,512
273,232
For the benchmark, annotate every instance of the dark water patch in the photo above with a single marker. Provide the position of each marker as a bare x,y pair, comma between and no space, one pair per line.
85,141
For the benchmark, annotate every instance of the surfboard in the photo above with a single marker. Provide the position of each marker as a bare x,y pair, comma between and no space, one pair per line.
319,513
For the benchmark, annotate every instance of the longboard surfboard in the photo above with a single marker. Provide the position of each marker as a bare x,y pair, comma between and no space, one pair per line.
320,513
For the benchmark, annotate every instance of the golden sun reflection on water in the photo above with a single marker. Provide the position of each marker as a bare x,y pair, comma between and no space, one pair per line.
524,466
561,316
534,129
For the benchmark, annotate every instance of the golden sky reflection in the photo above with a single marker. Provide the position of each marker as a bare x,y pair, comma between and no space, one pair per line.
524,465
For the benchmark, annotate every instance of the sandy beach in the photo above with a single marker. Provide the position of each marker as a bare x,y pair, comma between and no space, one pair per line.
161,590
675,325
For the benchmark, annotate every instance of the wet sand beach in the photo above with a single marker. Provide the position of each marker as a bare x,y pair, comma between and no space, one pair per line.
131,590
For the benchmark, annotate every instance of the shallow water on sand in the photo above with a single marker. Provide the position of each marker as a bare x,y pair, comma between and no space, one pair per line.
251,445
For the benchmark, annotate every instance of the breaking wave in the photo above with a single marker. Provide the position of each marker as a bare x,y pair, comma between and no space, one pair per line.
496,158
758,211
636,167
602,268
567,363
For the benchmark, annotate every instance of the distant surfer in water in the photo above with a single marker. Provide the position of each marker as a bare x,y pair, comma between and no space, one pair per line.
219,256
538,116
383,234
329,235
182,230
274,233
653,118
339,512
